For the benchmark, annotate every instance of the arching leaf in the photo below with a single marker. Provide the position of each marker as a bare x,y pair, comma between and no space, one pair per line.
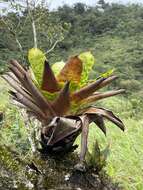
108,73
88,61
36,59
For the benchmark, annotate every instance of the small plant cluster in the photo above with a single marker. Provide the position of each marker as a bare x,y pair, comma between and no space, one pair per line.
61,97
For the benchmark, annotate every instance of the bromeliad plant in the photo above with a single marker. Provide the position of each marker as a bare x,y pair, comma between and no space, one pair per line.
61,98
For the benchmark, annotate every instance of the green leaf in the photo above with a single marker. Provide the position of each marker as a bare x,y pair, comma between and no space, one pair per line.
88,158
49,96
105,153
97,158
36,59
96,153
88,61
107,74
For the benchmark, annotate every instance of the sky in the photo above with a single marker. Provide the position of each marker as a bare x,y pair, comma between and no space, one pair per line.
56,3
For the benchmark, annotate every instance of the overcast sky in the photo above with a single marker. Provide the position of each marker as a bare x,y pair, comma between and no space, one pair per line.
56,3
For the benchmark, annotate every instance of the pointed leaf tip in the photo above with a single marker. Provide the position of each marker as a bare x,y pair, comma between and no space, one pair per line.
98,120
106,114
49,82
62,104
66,87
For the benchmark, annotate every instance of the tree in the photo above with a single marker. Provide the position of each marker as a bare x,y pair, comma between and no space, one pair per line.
102,4
79,8
33,14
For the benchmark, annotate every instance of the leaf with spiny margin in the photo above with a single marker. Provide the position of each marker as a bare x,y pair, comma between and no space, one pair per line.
36,59
88,61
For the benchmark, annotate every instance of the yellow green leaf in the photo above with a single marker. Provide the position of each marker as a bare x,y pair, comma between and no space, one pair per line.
57,67
107,74
88,61
36,59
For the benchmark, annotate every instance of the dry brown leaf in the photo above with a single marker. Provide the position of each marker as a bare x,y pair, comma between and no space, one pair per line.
25,82
106,114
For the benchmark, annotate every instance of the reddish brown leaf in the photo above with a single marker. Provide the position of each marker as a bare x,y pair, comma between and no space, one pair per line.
17,87
99,96
98,120
62,104
13,76
62,128
86,91
107,81
30,105
105,113
17,65
91,88
23,76
38,97
49,82
71,71
18,74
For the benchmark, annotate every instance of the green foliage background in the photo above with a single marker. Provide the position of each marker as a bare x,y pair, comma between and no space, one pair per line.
114,36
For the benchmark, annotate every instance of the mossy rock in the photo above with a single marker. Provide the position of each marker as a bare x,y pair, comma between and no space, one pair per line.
40,172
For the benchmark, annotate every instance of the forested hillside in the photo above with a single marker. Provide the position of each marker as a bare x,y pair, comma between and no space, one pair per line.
114,34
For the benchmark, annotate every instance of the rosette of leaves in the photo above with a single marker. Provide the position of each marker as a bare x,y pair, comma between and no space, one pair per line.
56,99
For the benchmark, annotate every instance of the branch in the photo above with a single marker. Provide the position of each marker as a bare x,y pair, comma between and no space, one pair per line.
33,24
15,36
52,48
34,34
